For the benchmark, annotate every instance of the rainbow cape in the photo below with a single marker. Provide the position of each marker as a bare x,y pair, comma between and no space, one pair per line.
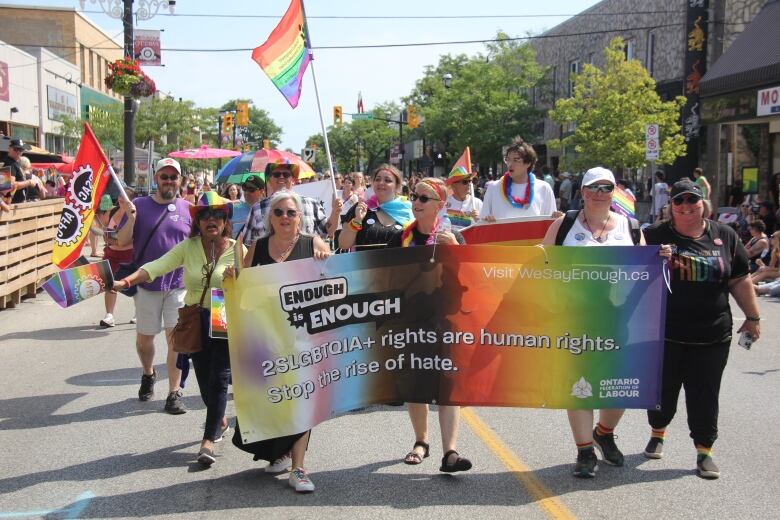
462,168
74,285
623,202
285,54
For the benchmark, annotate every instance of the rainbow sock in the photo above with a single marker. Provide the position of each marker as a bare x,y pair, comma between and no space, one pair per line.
585,446
658,434
702,452
603,430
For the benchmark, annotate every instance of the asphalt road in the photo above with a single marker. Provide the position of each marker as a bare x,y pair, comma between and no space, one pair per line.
77,443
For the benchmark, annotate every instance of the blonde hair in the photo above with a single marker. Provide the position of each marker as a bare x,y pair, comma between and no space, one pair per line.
25,164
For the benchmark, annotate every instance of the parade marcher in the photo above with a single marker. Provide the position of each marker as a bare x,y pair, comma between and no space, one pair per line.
348,196
518,194
203,257
427,203
564,191
232,193
702,182
708,264
156,223
285,240
374,221
282,176
461,207
595,225
758,246
253,190
112,218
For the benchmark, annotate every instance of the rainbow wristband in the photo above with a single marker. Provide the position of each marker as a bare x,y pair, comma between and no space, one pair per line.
355,225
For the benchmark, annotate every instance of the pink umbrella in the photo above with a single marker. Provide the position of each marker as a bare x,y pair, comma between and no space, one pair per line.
203,152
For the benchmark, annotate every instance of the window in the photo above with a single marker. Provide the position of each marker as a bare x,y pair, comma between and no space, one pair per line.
650,53
629,50
592,58
574,69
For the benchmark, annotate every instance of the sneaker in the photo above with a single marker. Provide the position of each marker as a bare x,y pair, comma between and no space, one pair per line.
587,464
609,450
146,391
654,448
107,321
706,468
299,480
222,434
279,465
133,320
174,404
206,457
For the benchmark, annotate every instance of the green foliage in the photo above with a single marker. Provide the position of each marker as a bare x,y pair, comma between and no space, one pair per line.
261,126
609,111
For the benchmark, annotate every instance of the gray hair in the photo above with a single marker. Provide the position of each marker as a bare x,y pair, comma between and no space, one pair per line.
24,164
275,199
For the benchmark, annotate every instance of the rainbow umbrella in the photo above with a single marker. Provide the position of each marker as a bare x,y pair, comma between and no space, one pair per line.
239,168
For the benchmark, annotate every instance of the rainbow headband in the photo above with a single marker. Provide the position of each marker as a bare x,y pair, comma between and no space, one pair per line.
436,188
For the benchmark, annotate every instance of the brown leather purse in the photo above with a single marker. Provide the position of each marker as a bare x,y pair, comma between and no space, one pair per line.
188,332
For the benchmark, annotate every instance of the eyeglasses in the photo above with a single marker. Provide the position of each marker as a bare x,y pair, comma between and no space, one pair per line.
422,198
600,188
693,199
515,160
219,214
174,177
284,173
291,213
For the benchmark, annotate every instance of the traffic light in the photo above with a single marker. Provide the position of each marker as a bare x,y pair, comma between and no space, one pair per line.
338,116
227,122
412,118
267,144
242,114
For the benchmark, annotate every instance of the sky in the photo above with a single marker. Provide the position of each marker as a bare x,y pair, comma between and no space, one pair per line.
212,78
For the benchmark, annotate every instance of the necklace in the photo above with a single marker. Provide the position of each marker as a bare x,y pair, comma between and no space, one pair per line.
602,237
518,202
287,251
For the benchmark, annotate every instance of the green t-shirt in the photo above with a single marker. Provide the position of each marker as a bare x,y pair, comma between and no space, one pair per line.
702,182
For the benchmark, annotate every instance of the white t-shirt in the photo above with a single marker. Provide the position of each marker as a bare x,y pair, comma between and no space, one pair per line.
459,212
496,204
660,196
579,235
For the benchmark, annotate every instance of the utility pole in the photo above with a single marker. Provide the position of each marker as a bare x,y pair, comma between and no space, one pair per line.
129,112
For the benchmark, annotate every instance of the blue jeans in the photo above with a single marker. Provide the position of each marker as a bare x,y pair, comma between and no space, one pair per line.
212,370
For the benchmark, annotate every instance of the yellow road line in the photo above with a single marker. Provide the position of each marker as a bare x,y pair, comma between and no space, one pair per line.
553,507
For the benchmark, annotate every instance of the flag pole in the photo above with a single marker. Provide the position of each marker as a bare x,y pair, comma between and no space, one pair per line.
319,105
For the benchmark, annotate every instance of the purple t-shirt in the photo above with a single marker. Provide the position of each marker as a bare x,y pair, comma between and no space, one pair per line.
174,228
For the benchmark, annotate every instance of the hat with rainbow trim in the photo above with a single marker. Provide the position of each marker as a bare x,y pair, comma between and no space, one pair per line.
211,199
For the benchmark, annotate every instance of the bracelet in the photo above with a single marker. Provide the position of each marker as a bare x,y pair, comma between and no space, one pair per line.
355,225
127,282
752,318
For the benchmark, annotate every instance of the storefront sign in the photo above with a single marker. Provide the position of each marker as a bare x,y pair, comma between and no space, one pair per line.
146,47
4,91
60,103
729,107
695,65
768,102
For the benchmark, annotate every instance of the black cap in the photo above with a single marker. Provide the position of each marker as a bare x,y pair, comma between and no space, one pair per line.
16,143
255,181
685,186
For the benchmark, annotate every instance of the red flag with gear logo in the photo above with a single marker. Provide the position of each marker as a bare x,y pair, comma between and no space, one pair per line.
89,180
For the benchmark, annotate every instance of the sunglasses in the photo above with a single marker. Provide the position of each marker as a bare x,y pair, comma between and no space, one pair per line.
219,214
285,174
600,188
422,198
174,178
678,201
291,213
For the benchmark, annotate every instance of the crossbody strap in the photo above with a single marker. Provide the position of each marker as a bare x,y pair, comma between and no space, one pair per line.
208,279
151,233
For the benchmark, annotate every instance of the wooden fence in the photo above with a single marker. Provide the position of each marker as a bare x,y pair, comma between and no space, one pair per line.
26,240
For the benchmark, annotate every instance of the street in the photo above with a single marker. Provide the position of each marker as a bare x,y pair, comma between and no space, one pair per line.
79,444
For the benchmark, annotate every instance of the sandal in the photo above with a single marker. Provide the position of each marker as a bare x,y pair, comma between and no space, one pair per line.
460,463
413,457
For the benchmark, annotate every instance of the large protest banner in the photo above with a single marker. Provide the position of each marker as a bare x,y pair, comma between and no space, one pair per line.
479,325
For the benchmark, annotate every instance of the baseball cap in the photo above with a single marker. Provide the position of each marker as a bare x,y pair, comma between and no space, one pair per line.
256,180
168,162
16,143
598,174
684,186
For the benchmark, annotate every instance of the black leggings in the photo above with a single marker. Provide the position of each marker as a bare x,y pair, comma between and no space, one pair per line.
699,369
212,370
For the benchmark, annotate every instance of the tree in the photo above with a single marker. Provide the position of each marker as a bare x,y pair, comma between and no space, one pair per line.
261,126
609,111
171,124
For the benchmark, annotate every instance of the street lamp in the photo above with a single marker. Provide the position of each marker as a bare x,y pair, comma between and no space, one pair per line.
447,80
123,9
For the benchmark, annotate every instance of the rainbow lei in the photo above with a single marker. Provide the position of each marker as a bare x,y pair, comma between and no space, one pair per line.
515,202
407,235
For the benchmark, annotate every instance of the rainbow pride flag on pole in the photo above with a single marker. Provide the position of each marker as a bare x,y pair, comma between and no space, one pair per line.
462,168
624,203
285,54
74,285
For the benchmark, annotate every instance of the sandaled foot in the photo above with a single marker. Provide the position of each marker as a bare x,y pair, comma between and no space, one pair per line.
416,456
452,463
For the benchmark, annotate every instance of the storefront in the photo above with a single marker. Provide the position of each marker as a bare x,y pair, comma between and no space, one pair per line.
18,94
741,109
59,95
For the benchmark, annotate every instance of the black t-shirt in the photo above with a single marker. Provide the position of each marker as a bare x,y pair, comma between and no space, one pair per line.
373,232
420,239
697,310
16,171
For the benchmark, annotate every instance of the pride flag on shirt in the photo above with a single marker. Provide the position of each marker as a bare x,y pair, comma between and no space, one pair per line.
74,285
285,54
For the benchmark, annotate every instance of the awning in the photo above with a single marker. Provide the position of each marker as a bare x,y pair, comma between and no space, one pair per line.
753,60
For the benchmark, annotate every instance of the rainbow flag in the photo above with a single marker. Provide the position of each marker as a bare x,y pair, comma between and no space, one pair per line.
218,321
520,231
77,284
285,54
462,168
623,202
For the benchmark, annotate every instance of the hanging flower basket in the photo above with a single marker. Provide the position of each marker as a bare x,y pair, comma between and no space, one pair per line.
126,78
